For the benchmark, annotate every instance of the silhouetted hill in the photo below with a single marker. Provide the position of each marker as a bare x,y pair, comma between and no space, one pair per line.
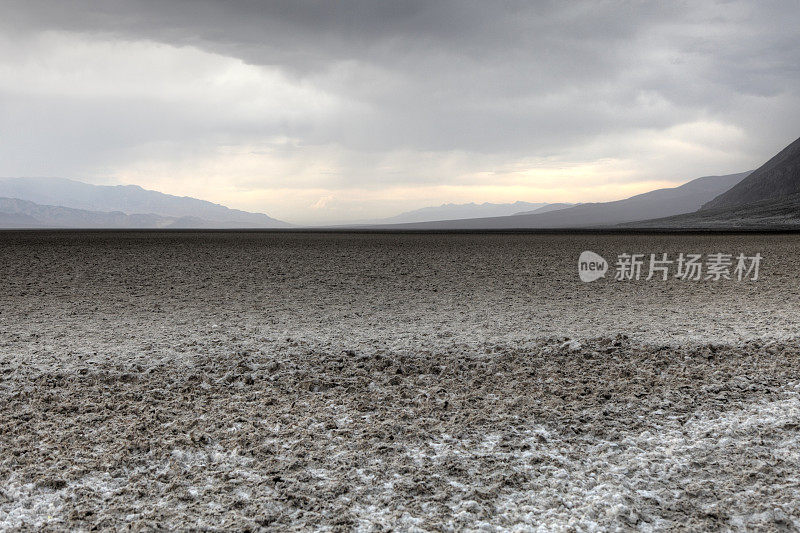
782,213
767,199
778,178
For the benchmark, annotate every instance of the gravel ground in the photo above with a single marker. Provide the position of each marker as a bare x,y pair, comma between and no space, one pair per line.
432,382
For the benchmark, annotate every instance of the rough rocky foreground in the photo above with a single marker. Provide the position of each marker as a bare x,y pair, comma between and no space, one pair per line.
551,435
279,381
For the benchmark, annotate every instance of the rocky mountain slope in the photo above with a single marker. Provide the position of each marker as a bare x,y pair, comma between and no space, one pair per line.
778,178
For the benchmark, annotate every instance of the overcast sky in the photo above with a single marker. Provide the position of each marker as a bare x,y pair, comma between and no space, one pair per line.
324,111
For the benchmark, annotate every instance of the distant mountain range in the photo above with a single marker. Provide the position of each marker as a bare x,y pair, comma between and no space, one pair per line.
459,211
16,213
660,203
65,203
546,209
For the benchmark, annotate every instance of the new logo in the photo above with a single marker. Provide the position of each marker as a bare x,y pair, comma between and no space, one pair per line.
591,266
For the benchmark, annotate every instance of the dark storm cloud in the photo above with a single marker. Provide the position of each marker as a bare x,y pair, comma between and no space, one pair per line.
478,75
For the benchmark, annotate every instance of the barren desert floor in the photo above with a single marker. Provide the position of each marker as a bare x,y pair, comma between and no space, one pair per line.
344,381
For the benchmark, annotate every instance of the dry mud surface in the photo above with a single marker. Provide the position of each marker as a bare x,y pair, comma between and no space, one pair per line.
235,381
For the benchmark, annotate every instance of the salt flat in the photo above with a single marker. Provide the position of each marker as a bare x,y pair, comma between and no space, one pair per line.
369,381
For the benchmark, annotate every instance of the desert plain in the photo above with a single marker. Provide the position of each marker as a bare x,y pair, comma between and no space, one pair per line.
394,381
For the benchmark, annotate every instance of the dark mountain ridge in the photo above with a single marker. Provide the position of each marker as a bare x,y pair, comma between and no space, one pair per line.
769,198
777,178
